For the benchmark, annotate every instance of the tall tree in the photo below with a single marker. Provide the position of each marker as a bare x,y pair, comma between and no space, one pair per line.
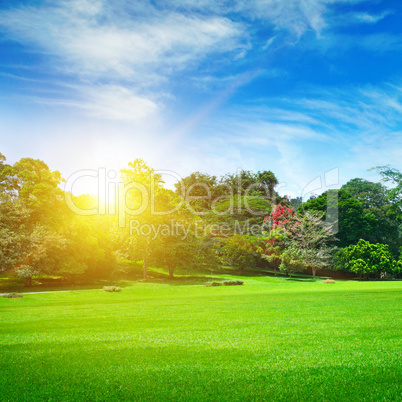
312,237
144,204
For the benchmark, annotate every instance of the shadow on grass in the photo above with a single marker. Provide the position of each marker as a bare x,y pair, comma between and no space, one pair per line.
184,280
302,279
59,284
129,276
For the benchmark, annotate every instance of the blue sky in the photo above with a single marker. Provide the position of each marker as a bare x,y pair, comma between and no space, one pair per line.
299,87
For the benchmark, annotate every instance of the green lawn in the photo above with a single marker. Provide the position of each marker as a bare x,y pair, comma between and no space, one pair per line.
271,339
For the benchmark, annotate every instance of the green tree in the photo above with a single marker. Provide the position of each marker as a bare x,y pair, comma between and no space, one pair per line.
354,222
176,249
276,242
37,188
292,260
368,259
238,251
39,253
391,175
146,203
383,224
311,236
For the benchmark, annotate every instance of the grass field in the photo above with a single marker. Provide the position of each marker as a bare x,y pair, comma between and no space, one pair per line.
271,339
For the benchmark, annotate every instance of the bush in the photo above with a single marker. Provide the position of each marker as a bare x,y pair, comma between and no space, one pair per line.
12,295
227,283
328,281
233,283
214,284
111,289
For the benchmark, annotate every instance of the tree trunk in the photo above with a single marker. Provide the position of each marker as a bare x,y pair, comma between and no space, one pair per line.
144,266
171,270
314,271
28,281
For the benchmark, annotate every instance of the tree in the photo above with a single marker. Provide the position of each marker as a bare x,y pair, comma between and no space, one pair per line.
31,211
267,182
37,188
379,213
174,250
283,216
199,190
277,227
297,242
365,258
276,243
311,236
147,203
353,222
369,194
40,253
292,260
238,252
394,176
13,216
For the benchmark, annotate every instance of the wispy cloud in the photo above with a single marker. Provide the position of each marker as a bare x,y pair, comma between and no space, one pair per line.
107,102
127,53
301,138
90,42
371,18
120,51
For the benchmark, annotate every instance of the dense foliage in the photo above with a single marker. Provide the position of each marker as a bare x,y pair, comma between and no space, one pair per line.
236,220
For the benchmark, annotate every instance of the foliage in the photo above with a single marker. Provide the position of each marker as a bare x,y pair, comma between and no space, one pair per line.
394,176
233,283
39,235
225,283
362,211
276,229
276,242
111,289
144,195
220,219
292,260
13,295
297,242
311,236
368,259
238,251
282,216
177,250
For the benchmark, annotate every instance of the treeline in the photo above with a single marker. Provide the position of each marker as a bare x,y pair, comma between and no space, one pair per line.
206,222
368,219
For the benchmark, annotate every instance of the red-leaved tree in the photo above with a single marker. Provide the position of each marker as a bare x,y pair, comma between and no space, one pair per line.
277,226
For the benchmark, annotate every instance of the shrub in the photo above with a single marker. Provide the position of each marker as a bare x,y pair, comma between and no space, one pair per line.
233,283
214,284
12,295
328,281
111,289
226,283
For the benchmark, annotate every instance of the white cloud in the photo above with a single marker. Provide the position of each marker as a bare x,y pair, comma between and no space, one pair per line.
118,53
82,35
96,37
370,18
350,128
110,102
